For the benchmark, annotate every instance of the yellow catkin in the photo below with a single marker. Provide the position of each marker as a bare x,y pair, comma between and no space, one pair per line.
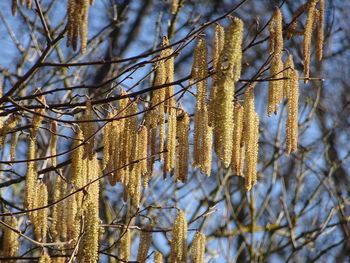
229,68
53,143
77,23
31,177
77,175
207,143
292,118
320,33
57,208
237,141
182,147
174,6
307,38
124,247
71,220
287,75
13,145
145,244
45,258
171,141
198,248
219,39
8,126
276,66
158,257
89,247
169,68
107,138
178,250
10,239
116,138
251,134
41,215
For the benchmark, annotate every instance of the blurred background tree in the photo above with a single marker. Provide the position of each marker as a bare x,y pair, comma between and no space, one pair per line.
299,209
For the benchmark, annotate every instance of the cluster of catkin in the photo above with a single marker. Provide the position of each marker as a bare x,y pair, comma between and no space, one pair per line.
77,25
10,239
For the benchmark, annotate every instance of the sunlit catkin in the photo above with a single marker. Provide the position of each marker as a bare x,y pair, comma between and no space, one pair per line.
171,141
77,175
237,141
158,257
57,209
53,143
307,38
77,24
276,66
10,239
145,243
320,33
292,118
251,134
219,39
182,149
88,127
31,177
229,68
178,250
124,246
198,248
41,215
45,258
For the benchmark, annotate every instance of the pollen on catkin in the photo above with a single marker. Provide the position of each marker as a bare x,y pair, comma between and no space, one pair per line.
292,117
158,257
58,208
169,163
10,239
145,243
88,128
45,258
124,246
182,149
307,38
77,175
40,220
198,248
237,141
31,177
276,66
178,249
251,137
77,23
320,33
229,68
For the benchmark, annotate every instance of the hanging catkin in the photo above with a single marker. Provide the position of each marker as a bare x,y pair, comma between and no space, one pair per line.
89,128
178,250
276,66
171,141
31,177
78,176
124,246
58,209
107,138
251,137
182,149
198,248
307,38
237,141
229,68
292,118
77,24
53,143
40,219
219,39
145,243
320,33
10,239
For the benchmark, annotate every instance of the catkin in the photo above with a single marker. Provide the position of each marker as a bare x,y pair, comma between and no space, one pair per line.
171,141
13,145
145,243
107,138
229,68
53,143
77,23
276,66
307,38
158,257
124,247
10,239
40,220
31,177
182,147
219,39
58,208
292,117
178,250
237,141
320,33
45,258
77,175
198,248
251,137
89,129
